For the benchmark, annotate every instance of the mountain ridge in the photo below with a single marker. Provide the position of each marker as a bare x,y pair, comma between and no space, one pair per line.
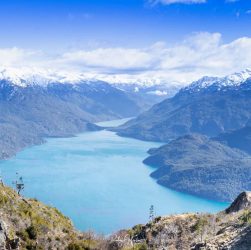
188,164
219,83
31,113
210,111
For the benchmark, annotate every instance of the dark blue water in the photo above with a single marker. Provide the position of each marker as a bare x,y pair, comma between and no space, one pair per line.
99,181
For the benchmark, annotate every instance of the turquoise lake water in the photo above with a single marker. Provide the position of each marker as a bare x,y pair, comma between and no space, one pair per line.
99,181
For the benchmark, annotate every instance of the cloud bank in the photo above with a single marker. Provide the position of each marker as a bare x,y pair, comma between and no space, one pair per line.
197,55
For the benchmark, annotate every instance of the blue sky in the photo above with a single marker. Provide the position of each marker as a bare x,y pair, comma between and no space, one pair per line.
58,30
54,24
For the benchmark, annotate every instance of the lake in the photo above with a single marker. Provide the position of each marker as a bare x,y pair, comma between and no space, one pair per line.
99,181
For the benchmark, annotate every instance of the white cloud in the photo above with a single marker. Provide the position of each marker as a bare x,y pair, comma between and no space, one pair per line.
10,56
110,59
167,2
197,55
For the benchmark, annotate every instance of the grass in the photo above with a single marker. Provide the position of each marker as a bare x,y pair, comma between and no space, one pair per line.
36,224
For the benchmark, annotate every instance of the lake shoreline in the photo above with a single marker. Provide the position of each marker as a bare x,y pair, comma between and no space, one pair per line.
106,185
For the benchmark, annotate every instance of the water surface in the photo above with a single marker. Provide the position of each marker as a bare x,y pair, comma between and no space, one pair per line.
99,181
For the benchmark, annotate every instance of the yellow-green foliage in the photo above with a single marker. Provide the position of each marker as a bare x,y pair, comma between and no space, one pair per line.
31,220
81,245
140,246
201,223
246,217
135,230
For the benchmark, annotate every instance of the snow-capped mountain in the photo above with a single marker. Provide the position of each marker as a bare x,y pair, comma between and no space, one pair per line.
219,83
209,106
25,77
159,91
29,76
41,104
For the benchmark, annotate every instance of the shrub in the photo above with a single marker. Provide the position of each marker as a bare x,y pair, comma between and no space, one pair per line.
32,232
23,235
200,226
74,246
246,217
136,230
141,246
157,219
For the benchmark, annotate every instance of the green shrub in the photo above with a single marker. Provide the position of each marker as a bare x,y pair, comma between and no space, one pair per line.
141,246
31,247
246,217
3,200
74,246
157,219
32,232
136,230
23,235
201,223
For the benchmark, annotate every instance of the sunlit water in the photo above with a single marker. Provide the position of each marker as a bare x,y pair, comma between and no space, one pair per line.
99,181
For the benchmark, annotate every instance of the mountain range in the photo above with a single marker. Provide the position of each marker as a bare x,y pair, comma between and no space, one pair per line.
208,106
207,130
210,117
36,105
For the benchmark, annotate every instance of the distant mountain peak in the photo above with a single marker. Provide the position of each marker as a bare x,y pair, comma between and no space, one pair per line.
24,77
218,83
239,77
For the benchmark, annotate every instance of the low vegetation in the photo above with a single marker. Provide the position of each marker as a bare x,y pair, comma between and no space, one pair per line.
32,225
29,224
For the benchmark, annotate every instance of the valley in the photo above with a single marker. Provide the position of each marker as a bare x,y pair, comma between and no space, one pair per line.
99,166
209,106
38,105
125,125
98,180
206,131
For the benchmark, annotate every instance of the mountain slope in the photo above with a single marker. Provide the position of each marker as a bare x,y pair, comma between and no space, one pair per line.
240,139
209,106
30,111
29,224
198,165
224,230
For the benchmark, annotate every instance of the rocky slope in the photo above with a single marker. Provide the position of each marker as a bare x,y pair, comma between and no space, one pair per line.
209,106
29,224
201,166
230,229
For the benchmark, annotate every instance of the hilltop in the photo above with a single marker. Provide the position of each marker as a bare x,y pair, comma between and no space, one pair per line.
229,229
201,166
29,224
